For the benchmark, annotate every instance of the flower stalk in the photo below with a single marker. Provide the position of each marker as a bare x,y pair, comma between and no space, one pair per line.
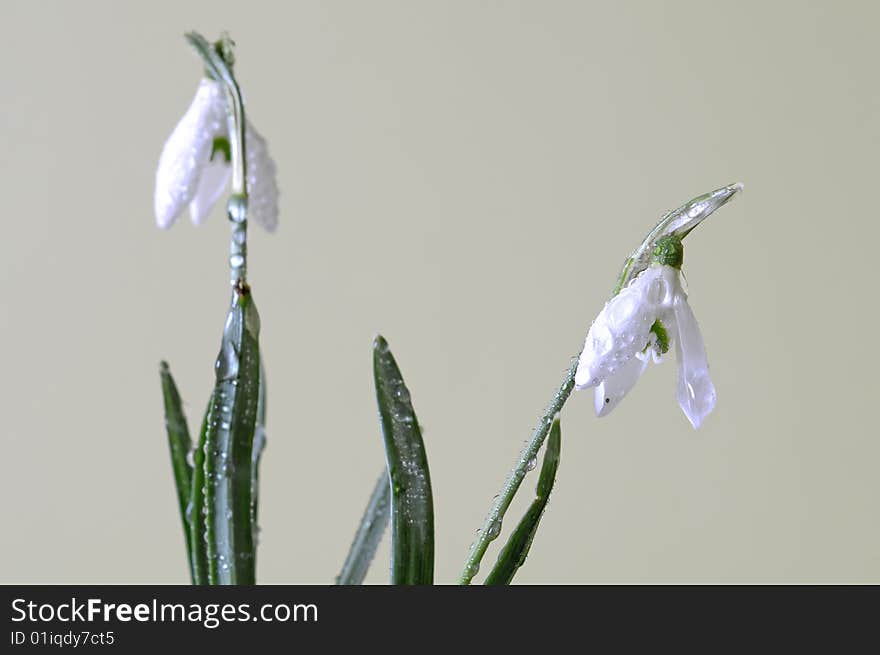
491,527
218,63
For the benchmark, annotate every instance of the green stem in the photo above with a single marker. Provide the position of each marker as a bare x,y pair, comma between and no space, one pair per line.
514,553
492,525
238,202
220,68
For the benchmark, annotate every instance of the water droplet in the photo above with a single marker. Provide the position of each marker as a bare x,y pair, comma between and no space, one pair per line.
658,291
532,463
404,417
236,208
494,529
252,320
227,361
236,261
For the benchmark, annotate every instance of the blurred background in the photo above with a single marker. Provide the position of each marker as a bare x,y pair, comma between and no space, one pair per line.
465,178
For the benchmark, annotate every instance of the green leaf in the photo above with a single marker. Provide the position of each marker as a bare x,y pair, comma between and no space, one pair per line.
259,447
412,508
368,535
180,444
198,545
515,551
228,451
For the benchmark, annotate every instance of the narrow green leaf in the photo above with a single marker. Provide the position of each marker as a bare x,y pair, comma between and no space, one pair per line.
515,551
259,446
198,543
368,535
412,508
179,444
229,440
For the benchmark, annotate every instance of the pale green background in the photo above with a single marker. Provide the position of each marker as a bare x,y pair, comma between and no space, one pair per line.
466,178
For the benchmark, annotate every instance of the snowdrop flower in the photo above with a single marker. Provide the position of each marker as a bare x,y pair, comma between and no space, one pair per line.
638,325
194,165
649,314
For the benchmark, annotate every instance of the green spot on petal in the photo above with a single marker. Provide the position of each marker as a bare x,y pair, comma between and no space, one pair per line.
662,336
221,146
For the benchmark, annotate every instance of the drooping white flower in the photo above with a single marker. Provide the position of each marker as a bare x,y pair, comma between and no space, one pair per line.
193,174
639,324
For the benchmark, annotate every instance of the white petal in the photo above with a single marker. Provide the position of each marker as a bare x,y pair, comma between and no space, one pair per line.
215,176
695,391
623,327
613,388
187,151
262,186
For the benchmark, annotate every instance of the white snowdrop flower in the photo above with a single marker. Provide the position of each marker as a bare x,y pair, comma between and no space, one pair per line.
193,172
640,323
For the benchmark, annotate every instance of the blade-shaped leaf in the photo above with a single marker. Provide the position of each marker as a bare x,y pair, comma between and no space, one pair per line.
198,544
412,507
179,444
368,535
515,551
229,440
259,446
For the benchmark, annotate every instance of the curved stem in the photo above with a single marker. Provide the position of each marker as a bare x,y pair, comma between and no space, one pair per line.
220,69
492,525
238,202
